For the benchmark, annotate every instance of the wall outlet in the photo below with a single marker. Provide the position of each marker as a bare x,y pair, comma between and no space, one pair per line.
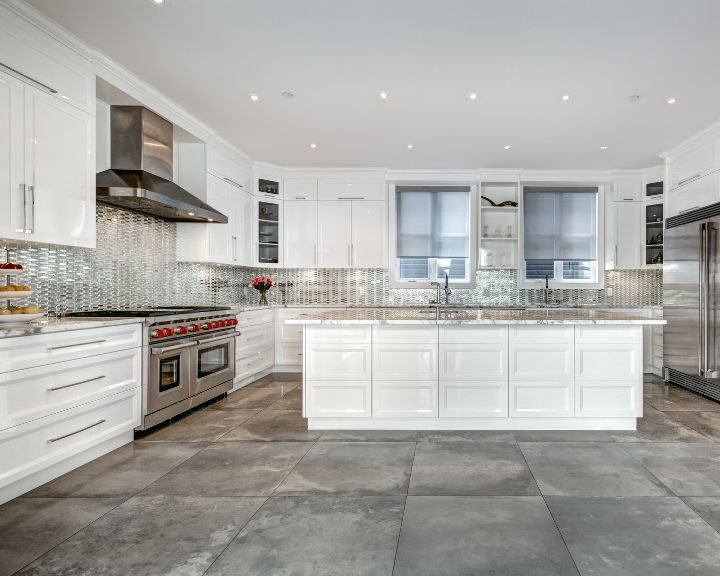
609,291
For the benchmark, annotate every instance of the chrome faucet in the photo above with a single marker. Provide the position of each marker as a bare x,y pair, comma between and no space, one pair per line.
446,289
547,289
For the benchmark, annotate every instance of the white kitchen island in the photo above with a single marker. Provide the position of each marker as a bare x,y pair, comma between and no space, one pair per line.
469,369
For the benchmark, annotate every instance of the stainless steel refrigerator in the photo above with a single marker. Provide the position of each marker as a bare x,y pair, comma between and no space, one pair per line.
691,298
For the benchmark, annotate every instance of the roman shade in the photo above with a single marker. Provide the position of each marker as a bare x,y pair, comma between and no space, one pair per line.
560,223
433,221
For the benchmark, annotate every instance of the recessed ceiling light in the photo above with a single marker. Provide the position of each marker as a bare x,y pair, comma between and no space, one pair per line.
288,95
410,146
634,98
603,147
210,220
254,97
383,95
671,101
158,1
507,147
313,145
473,96
566,97
191,213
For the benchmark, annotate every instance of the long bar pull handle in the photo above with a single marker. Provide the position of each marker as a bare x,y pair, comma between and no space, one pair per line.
23,191
701,301
710,255
75,345
77,431
18,73
688,179
53,389
688,210
32,209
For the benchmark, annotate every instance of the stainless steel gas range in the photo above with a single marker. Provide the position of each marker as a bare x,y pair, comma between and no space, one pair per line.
188,356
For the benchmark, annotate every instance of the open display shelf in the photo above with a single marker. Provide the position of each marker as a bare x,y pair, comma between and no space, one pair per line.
653,233
499,226
13,297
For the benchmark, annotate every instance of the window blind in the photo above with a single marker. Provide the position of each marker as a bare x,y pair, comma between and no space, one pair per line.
560,223
433,221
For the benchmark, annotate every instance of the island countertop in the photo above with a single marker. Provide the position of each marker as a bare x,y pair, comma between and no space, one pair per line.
490,316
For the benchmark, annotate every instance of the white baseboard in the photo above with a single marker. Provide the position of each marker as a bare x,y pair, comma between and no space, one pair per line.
471,423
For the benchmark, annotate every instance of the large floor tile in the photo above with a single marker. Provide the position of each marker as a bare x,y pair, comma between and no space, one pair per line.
684,402
471,468
636,536
251,398
317,536
29,527
201,426
151,536
448,436
705,423
588,469
370,436
287,379
290,401
123,472
461,535
352,467
562,436
707,507
687,469
233,469
656,426
274,425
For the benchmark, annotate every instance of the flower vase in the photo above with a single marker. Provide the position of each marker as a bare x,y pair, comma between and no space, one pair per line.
263,298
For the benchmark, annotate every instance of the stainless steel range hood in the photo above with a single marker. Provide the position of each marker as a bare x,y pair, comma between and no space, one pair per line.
140,177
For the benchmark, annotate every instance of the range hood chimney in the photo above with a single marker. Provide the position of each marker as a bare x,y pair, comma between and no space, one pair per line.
140,177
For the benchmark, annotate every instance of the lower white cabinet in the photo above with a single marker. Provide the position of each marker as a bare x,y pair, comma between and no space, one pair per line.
338,398
404,399
254,345
473,398
289,339
340,361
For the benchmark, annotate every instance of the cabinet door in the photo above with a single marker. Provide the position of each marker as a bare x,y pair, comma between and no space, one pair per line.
300,234
629,240
242,239
12,193
60,167
695,194
334,234
350,189
300,188
368,246
220,197
627,189
693,164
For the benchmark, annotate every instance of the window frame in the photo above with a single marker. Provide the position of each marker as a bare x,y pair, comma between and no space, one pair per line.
599,282
394,261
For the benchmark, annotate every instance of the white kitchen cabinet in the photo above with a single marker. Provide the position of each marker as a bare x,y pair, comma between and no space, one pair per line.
12,193
339,398
368,235
289,339
693,163
300,188
696,193
220,243
404,399
48,167
473,399
403,361
334,234
628,239
254,346
301,234
627,189
351,189
227,170
339,361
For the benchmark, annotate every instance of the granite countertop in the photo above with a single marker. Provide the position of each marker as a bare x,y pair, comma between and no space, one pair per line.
49,325
473,316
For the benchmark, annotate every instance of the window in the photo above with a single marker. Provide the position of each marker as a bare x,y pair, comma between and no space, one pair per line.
431,235
562,236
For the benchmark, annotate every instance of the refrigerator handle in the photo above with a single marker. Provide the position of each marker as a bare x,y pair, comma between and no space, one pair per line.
701,300
709,299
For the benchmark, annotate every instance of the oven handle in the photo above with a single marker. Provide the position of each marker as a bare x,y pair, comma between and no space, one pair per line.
226,336
164,349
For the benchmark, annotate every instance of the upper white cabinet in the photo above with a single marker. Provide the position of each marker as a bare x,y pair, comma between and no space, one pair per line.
351,234
693,163
220,243
333,233
230,172
693,177
44,61
628,246
627,189
300,188
368,235
301,234
351,189
696,193
48,176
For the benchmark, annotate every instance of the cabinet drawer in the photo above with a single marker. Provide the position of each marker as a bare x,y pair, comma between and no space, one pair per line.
540,399
41,349
355,334
473,361
393,399
340,398
427,334
608,361
252,361
338,362
542,333
254,317
541,361
253,336
608,334
469,334
603,399
41,443
405,362
288,355
37,392
486,398
291,333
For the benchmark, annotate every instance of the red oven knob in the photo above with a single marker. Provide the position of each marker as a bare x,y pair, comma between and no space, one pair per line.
155,333
214,325
169,332
205,327
221,324
195,328
236,322
181,330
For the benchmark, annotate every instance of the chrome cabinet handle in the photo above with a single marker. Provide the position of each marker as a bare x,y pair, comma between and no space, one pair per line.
351,197
50,348
686,180
18,73
688,210
300,198
77,431
165,349
75,383
234,248
231,181
23,191
32,208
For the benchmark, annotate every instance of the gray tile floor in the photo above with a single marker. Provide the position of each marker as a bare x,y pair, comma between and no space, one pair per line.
241,487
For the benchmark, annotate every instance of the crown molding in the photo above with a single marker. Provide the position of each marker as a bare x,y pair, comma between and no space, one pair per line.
706,135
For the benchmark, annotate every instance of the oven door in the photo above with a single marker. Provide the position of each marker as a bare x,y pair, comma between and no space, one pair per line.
214,362
169,374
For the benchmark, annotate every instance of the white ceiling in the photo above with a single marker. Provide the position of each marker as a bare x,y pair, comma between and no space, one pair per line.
519,56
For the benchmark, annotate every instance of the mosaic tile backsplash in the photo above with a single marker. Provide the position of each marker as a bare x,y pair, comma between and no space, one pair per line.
134,265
